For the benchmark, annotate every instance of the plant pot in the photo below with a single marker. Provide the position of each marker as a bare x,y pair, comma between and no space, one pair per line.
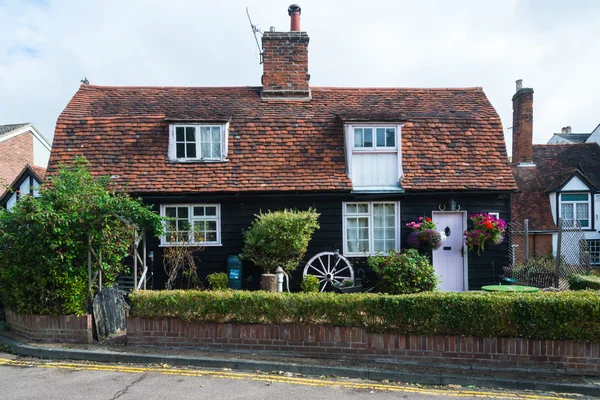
268,282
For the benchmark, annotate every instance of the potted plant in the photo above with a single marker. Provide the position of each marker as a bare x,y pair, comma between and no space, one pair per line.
487,230
348,286
278,239
424,235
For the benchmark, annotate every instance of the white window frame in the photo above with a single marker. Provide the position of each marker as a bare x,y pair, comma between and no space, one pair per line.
350,150
574,203
191,220
224,133
371,227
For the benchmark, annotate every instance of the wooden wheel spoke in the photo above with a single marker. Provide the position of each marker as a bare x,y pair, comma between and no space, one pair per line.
338,272
318,270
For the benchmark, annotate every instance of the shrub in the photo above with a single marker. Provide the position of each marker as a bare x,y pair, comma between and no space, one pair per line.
218,280
406,272
543,315
44,241
279,239
310,284
582,282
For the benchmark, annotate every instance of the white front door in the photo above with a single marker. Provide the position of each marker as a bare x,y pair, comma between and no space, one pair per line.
449,260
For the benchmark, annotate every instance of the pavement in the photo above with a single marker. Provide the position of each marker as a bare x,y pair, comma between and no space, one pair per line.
117,352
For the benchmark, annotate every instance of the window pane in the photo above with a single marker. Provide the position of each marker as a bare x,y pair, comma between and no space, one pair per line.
350,208
190,134
573,197
211,237
180,150
205,150
363,246
211,210
199,226
351,234
390,233
211,225
363,208
352,246
368,137
205,133
216,134
182,212
352,222
363,233
171,226
390,245
358,139
179,134
379,246
390,209
567,211
390,135
191,150
378,234
170,212
377,209
216,150
582,214
380,137
198,211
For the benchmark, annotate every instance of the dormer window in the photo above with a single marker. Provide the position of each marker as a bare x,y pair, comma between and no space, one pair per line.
575,207
374,157
198,142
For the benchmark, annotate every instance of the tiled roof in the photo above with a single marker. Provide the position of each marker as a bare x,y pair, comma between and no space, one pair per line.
40,172
452,139
554,165
9,128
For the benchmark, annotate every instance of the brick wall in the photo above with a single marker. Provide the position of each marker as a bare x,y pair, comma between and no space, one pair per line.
564,356
285,66
50,328
15,153
522,126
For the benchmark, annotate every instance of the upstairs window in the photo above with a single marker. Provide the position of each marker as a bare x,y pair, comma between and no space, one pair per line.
198,142
575,207
375,138
374,157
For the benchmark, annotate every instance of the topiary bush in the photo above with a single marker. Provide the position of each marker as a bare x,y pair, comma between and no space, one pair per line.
583,282
218,280
279,238
403,272
310,284
543,315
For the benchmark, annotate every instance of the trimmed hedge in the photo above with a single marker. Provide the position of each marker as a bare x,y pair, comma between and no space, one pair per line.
565,315
582,282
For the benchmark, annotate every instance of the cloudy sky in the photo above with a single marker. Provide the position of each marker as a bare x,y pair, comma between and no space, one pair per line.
48,46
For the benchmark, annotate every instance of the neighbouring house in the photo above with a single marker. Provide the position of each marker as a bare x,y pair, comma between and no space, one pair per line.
370,160
555,181
566,136
20,145
28,182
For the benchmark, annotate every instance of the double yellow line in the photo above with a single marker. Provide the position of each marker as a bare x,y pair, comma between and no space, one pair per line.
272,378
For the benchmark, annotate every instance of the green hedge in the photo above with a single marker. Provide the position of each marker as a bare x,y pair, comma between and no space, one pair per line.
566,315
582,282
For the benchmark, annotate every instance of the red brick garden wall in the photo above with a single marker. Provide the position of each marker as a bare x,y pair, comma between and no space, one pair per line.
49,328
564,356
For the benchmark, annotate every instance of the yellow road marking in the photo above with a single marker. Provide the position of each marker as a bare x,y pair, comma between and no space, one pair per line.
271,378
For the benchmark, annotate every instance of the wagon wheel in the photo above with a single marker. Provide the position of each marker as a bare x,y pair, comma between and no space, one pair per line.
329,267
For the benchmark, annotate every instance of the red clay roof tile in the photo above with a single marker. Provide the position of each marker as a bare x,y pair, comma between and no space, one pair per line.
452,139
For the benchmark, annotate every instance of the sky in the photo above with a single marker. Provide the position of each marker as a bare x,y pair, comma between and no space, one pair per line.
48,46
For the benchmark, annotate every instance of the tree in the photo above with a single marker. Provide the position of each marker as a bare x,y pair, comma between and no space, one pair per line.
44,242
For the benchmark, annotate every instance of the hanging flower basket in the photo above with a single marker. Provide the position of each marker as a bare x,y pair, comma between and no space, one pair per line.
424,235
487,231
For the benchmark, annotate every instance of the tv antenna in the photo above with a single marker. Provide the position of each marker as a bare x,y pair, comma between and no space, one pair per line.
255,31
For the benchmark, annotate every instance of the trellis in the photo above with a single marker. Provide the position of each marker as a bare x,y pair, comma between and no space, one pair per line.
139,236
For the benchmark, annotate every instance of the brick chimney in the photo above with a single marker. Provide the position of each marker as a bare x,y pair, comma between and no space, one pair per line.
522,129
285,61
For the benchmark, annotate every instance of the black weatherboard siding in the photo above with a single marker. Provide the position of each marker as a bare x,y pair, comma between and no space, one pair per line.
238,211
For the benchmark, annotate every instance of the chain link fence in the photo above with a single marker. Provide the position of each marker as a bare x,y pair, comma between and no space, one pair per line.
533,261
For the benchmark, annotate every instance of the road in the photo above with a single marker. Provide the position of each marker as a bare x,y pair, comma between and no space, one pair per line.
35,379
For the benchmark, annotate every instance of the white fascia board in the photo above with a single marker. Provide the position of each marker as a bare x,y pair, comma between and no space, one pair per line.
29,127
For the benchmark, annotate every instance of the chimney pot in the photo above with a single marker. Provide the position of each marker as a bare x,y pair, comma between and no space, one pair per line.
272,29
568,129
519,84
294,12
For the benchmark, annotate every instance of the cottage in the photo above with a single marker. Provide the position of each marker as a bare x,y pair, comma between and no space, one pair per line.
556,180
370,160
